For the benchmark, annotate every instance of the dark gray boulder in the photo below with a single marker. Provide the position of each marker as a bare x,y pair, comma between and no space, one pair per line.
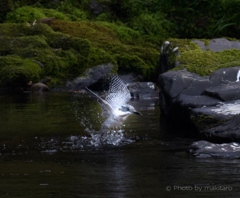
175,82
218,44
205,102
131,77
225,92
96,7
228,131
190,102
90,76
225,75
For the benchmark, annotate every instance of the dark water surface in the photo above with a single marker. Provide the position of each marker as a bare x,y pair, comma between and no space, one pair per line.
48,148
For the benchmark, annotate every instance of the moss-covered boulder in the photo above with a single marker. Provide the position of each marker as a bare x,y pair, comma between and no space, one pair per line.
113,41
15,71
58,55
205,56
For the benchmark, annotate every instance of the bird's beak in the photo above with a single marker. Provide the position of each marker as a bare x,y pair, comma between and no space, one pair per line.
137,113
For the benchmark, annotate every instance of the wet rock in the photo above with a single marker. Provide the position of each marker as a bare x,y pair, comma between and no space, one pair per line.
143,90
225,75
168,53
174,82
226,92
39,87
189,101
228,131
205,102
205,149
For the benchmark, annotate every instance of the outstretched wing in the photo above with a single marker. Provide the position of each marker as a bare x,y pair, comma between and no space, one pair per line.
118,93
107,108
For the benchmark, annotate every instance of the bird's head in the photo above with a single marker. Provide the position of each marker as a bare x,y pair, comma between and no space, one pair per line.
129,109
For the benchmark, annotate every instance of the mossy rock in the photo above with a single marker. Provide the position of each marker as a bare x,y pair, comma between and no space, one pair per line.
15,70
59,55
84,29
106,42
30,14
195,60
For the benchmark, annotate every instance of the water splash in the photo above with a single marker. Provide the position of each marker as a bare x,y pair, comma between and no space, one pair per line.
232,108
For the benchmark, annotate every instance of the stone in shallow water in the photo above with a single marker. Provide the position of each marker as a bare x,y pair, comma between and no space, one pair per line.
205,149
229,131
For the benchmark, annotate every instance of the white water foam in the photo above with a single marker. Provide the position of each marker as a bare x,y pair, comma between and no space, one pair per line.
228,109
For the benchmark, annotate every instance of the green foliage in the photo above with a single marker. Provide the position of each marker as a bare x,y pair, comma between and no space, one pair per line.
152,27
74,13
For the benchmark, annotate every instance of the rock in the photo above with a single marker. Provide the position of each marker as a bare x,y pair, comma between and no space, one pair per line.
131,77
206,102
189,101
205,149
225,75
218,44
225,92
39,87
167,56
90,76
174,82
96,7
228,131
143,90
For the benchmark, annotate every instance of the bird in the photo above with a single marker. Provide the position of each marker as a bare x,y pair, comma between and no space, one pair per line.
115,106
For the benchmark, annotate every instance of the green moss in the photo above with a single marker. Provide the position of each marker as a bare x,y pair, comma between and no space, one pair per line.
123,33
10,45
108,47
98,56
14,70
22,29
66,42
83,29
30,14
205,62
132,63
60,56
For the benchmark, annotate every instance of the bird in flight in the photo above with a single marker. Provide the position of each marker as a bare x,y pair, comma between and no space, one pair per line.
115,106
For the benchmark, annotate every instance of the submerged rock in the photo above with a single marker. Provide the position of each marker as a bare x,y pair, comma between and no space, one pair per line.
204,149
144,90
39,87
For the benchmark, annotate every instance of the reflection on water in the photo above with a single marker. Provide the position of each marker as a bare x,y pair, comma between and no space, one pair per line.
49,147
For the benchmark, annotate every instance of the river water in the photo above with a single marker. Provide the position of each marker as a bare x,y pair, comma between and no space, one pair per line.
49,147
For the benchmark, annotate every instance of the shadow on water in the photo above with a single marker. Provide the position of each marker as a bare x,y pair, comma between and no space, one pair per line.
49,148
